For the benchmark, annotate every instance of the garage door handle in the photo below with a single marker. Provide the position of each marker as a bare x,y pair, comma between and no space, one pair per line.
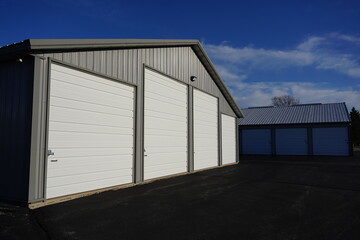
53,160
50,152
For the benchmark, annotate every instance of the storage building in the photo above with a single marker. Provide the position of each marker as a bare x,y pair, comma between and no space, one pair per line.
79,115
304,129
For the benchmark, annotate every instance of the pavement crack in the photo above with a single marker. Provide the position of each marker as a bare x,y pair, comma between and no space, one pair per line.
40,225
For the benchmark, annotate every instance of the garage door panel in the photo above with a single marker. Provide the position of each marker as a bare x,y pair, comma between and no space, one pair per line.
63,87
90,132
120,161
89,138
165,107
331,141
169,156
153,141
77,169
291,141
84,128
256,141
165,126
155,172
205,99
165,132
73,77
204,163
93,152
205,121
88,144
180,119
176,116
204,143
86,186
90,118
205,153
175,96
159,80
228,141
161,149
77,93
205,130
86,178
91,107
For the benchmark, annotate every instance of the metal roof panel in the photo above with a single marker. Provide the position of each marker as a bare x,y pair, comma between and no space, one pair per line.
296,114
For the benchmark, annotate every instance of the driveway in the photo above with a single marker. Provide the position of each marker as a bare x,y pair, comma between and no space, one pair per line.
251,200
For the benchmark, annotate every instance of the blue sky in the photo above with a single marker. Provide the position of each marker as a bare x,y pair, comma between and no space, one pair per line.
308,49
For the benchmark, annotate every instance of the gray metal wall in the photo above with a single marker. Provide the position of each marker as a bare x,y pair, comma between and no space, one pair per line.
126,65
16,86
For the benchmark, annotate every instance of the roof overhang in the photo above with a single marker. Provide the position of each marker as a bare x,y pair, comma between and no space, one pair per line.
33,46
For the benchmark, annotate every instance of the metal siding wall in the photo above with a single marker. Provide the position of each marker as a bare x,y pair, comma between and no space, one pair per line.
38,138
16,87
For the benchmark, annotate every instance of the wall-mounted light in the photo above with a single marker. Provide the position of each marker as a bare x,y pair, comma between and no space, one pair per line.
19,60
193,78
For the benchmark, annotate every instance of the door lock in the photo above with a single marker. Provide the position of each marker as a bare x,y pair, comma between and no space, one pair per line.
50,152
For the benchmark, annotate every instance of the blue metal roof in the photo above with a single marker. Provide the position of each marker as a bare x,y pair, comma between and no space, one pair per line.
296,114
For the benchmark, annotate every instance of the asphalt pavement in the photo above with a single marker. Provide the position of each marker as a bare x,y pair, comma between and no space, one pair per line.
265,199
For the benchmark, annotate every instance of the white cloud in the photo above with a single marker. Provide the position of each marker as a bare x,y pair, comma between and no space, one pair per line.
318,52
260,93
236,66
259,58
251,94
352,39
225,73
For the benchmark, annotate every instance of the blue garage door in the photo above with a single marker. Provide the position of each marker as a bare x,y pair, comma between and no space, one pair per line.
256,141
291,141
331,141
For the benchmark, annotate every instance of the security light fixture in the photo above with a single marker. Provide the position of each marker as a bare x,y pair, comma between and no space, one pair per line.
193,78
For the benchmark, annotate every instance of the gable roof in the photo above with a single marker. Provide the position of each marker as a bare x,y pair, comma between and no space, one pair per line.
296,114
33,46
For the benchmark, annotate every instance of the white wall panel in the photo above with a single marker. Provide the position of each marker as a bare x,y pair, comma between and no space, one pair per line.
90,131
205,130
228,141
165,126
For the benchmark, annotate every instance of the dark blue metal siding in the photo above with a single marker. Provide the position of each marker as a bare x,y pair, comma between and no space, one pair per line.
16,90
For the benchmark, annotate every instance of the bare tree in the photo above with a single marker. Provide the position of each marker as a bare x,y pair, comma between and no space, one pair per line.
285,100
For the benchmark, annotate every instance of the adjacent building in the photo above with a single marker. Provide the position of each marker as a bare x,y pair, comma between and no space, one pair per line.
304,129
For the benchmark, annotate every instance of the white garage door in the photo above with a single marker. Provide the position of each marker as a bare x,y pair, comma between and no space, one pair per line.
90,132
331,141
166,126
205,130
291,141
228,141
256,141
